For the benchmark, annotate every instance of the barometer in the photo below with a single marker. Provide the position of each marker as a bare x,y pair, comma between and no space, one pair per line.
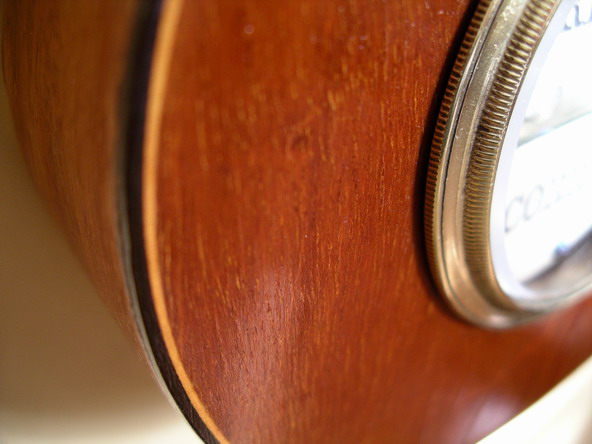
508,208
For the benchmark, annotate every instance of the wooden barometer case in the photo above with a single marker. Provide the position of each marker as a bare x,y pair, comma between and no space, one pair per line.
246,182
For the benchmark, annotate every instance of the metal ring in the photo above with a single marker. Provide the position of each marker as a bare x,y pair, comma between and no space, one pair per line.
506,43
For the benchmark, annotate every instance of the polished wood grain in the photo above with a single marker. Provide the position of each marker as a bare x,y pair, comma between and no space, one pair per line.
275,182
284,230
65,64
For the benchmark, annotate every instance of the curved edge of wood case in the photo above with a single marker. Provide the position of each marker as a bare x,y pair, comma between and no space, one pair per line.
77,91
64,85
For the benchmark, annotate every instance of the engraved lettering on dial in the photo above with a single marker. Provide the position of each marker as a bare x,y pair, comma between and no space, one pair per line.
547,212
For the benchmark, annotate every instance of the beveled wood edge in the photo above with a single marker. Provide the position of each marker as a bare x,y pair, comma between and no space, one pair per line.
142,99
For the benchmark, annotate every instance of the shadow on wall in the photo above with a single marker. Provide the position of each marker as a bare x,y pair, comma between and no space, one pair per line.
67,374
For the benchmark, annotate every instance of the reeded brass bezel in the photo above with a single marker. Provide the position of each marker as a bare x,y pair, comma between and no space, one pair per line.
505,39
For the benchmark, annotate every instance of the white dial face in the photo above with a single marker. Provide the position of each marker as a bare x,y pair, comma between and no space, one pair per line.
548,203
548,191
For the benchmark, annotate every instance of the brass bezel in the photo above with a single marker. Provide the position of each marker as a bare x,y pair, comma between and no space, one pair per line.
497,52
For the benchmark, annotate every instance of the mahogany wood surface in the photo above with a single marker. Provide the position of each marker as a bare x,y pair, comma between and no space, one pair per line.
64,65
276,194
286,235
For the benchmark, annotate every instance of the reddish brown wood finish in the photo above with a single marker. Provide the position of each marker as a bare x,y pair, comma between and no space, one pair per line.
284,160
64,66
288,235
